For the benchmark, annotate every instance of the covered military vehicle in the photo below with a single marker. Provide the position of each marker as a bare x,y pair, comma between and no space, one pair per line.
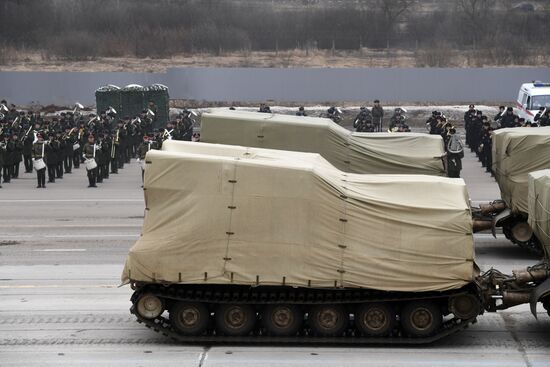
539,207
282,247
516,153
374,153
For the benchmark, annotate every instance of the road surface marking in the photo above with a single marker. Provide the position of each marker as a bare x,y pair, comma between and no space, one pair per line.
92,235
62,250
71,200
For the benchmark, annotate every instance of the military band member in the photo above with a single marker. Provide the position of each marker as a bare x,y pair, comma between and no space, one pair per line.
147,144
60,156
17,154
7,164
28,139
39,153
68,141
106,151
89,153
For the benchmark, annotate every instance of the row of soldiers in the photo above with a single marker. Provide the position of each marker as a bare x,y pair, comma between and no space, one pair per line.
479,129
56,145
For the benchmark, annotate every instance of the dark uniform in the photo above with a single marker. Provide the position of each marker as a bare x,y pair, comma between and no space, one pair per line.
28,139
468,117
509,119
52,151
68,150
485,148
7,164
17,155
89,152
2,157
377,113
39,152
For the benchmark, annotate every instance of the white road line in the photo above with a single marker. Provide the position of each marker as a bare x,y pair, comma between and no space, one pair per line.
30,201
61,250
82,225
92,235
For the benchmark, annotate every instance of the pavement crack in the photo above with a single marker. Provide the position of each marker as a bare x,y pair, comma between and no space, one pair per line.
510,326
203,356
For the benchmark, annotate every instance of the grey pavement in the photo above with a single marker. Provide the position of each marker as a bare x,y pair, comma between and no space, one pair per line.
62,251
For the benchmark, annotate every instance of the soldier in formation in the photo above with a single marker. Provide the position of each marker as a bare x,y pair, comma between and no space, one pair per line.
479,129
62,143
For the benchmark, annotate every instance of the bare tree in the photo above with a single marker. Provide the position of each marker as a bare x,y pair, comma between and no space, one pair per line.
392,11
475,13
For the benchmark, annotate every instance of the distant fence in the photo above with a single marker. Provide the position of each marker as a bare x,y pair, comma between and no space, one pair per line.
260,84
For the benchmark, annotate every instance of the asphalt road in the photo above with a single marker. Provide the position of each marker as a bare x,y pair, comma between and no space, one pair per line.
62,250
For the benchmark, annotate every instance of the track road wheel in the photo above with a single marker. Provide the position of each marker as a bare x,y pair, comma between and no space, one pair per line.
189,318
328,320
235,320
282,320
150,306
421,319
375,319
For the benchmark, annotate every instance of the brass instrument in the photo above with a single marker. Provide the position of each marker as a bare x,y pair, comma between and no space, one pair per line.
24,137
67,135
15,122
115,142
77,107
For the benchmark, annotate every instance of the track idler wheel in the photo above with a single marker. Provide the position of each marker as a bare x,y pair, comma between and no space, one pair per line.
375,319
328,320
150,306
189,318
465,306
521,233
282,320
235,320
421,319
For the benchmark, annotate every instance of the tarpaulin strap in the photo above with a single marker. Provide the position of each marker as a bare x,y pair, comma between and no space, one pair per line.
343,220
348,149
229,232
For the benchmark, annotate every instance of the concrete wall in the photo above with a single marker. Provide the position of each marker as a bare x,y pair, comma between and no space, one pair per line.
259,84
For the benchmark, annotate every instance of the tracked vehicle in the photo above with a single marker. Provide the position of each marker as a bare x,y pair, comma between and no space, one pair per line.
516,153
264,246
368,153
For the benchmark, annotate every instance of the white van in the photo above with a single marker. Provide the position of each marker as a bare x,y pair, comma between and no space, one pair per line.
531,97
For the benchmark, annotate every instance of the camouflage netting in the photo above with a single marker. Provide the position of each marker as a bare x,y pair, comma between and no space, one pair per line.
158,93
106,96
133,98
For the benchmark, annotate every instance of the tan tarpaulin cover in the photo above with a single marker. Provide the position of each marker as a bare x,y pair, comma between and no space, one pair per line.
516,152
539,207
378,153
221,214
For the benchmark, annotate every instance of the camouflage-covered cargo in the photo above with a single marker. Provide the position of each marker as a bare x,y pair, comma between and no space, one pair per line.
134,98
516,152
367,153
539,207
